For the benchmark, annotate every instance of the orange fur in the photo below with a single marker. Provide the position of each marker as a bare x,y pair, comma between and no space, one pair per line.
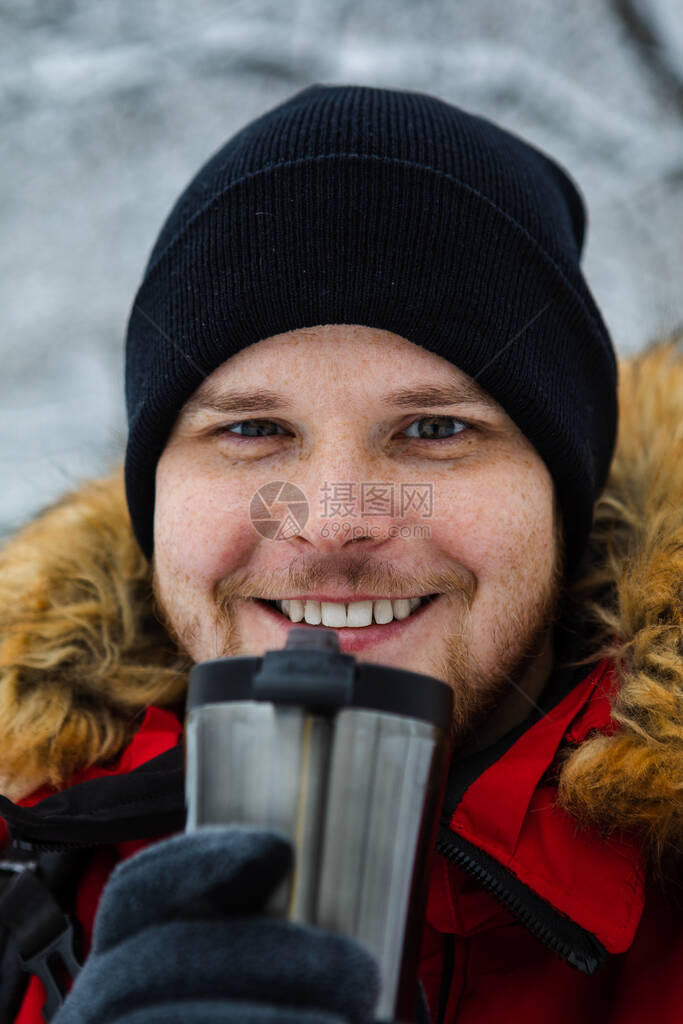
630,587
82,652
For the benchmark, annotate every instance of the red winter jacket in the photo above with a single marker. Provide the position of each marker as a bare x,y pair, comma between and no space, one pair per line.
554,895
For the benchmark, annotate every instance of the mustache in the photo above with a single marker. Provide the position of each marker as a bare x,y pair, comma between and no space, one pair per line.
359,575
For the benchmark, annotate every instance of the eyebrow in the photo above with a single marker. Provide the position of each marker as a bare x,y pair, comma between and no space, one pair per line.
213,397
440,394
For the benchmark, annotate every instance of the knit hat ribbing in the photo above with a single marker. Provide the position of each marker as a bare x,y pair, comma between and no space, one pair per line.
395,210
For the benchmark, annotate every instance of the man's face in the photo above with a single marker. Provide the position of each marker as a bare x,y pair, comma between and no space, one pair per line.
489,548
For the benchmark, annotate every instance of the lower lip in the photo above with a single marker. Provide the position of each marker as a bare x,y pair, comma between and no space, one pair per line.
352,638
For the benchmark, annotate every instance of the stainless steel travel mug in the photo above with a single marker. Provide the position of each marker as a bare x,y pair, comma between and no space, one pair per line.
348,760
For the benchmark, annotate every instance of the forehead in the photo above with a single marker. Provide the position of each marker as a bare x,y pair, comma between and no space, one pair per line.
271,372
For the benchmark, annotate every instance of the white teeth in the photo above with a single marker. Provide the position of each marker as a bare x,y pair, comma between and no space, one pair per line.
333,614
359,613
383,611
353,614
312,613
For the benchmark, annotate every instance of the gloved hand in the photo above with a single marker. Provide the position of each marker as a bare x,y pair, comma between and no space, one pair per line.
180,936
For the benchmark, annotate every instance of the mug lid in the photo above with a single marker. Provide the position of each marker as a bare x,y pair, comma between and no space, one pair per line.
311,672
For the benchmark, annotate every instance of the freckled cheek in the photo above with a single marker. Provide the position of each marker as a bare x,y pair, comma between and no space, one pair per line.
525,527
203,531
496,526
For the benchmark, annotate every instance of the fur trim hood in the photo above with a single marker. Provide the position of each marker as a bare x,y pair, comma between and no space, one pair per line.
83,653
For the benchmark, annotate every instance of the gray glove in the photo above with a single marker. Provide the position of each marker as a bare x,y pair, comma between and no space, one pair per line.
180,937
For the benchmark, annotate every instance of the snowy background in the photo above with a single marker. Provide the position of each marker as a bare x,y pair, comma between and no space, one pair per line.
109,107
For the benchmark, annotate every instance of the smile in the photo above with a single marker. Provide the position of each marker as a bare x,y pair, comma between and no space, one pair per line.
354,614
364,622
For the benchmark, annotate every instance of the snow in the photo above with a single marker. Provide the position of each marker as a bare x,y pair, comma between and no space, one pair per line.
108,109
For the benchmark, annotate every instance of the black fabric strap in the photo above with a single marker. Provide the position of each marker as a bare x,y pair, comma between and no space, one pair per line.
142,804
13,980
36,935
30,912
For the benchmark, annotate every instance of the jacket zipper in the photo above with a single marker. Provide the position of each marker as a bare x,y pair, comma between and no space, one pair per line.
446,845
588,958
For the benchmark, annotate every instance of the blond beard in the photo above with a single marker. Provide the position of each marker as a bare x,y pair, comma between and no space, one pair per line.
477,692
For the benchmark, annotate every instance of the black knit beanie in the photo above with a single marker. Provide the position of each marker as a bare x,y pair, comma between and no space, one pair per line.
395,210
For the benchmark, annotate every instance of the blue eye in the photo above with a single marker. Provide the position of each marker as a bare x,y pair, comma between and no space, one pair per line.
257,425
437,428
434,430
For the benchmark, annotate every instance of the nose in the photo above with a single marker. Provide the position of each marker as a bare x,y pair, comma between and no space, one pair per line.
328,536
341,516
349,501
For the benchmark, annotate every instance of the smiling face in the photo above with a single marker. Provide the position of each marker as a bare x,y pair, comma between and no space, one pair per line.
337,418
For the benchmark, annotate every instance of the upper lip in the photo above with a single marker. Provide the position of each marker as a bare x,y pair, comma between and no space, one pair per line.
344,598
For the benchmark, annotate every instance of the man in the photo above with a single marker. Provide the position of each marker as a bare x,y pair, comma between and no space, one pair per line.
491,620
366,287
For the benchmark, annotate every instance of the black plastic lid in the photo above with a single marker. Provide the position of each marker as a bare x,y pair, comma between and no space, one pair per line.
310,671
